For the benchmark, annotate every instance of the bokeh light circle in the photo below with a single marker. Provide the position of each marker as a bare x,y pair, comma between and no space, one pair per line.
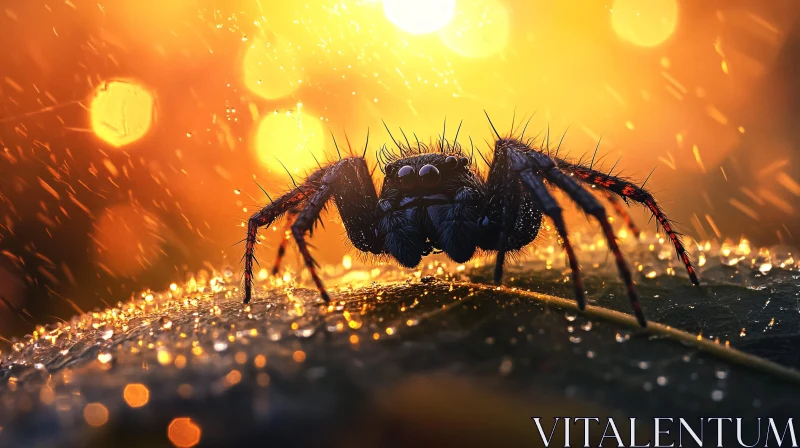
183,432
271,69
292,138
645,23
479,29
419,16
121,112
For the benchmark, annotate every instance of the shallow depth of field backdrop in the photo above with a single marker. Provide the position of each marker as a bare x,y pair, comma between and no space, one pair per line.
131,132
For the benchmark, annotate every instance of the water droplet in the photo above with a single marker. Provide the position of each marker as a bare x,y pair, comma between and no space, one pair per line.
570,316
721,373
662,381
220,346
575,339
587,326
644,365
228,273
648,386
165,323
305,332
623,337
105,357
717,395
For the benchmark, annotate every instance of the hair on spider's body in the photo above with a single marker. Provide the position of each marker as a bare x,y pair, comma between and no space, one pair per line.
433,199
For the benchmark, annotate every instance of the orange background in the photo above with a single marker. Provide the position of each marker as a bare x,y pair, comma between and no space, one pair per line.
132,131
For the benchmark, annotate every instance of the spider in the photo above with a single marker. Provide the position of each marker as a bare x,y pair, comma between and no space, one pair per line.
434,200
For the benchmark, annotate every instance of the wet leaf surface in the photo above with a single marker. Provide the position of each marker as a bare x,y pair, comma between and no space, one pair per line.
389,365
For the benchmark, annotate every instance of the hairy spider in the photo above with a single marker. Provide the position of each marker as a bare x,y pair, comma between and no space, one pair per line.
433,199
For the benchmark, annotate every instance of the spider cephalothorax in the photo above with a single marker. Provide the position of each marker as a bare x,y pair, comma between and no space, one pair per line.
433,199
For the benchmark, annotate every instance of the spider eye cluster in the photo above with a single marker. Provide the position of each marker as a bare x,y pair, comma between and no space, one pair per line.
429,175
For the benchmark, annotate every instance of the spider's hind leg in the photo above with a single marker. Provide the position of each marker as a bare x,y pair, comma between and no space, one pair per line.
633,192
626,217
588,203
349,184
290,217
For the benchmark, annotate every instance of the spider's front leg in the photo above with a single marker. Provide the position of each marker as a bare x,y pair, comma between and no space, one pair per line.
267,216
518,196
348,181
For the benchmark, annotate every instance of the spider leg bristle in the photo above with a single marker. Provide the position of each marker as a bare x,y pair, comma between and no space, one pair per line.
513,120
547,139
417,140
408,145
264,191
526,125
455,139
597,146
349,146
648,177
238,242
315,158
492,125
442,137
335,144
366,145
612,169
481,154
392,136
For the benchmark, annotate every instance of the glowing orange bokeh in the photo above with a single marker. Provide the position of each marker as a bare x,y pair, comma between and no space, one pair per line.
480,28
121,112
419,16
184,433
291,138
95,414
136,395
271,67
646,23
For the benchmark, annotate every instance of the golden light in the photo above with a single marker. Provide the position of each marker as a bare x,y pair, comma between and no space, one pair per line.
271,69
126,240
290,138
121,112
480,28
183,432
136,395
95,414
645,23
419,16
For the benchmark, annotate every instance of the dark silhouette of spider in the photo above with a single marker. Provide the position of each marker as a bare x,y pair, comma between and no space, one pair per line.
433,199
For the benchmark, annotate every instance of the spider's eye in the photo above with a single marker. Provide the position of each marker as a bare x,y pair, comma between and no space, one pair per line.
429,176
406,176
463,161
450,163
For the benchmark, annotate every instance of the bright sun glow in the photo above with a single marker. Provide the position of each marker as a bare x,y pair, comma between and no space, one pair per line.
290,138
121,112
270,68
480,28
645,23
420,16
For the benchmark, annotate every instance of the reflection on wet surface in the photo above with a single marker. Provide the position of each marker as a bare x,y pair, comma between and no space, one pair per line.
395,346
